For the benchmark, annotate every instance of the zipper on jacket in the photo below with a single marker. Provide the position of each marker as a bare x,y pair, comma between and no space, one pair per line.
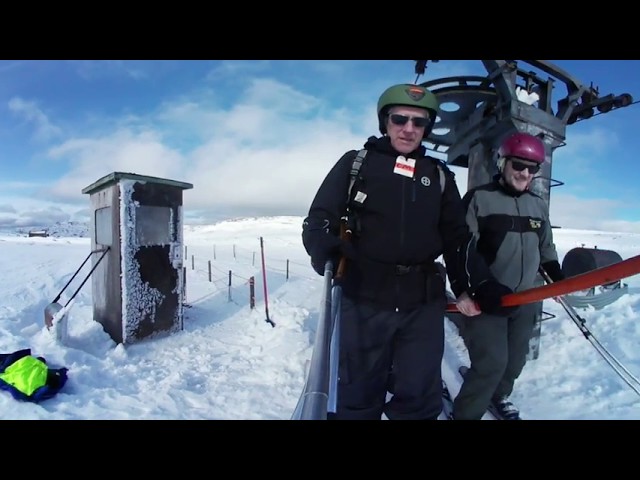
522,253
403,216
413,190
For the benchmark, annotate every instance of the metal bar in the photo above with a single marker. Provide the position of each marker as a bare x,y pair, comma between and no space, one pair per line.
74,275
334,353
88,275
314,402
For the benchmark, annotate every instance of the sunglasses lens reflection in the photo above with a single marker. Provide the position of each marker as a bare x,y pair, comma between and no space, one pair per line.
519,167
418,122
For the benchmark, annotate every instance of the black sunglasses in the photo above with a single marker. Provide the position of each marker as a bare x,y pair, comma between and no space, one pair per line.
418,122
519,166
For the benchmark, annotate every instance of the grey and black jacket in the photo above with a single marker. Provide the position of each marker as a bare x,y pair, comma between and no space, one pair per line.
511,231
400,229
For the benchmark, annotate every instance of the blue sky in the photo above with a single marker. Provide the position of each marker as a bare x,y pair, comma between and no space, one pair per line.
256,138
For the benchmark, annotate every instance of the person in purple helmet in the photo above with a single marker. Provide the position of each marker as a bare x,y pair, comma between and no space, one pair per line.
511,228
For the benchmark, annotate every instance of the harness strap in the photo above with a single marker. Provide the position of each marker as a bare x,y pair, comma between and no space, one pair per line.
355,168
353,175
357,163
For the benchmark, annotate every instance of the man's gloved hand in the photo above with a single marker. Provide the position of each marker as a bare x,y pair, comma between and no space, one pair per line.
489,295
328,247
322,245
554,270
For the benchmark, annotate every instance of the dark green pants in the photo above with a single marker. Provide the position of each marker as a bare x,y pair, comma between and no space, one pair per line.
498,348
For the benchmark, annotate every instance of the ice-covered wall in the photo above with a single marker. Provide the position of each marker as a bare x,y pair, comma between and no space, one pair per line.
152,285
139,299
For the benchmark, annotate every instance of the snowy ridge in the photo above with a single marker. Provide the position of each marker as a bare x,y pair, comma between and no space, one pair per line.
58,230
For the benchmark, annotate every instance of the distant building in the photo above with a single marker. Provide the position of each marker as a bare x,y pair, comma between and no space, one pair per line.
39,233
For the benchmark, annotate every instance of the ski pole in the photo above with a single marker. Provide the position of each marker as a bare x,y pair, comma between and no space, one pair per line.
345,234
608,356
264,285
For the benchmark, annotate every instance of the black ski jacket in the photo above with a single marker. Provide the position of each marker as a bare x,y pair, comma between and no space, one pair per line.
401,226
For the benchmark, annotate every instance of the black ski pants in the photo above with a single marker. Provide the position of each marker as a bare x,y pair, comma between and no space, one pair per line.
374,340
498,348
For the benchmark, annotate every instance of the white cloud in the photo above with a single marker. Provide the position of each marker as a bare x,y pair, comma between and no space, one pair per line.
91,159
570,211
44,129
586,143
7,209
271,94
271,180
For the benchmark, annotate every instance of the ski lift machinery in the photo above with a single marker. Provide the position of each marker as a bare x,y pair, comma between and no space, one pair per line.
478,112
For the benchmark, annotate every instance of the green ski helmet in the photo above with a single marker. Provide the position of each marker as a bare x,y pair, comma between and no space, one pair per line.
411,96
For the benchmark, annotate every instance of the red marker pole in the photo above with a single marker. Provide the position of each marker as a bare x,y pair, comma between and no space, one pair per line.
264,283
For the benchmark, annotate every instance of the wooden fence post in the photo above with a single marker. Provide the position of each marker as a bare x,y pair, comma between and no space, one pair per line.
252,292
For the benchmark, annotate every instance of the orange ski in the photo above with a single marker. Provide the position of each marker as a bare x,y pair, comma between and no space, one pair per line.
600,276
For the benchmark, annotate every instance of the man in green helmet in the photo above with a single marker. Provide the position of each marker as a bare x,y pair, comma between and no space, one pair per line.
402,217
